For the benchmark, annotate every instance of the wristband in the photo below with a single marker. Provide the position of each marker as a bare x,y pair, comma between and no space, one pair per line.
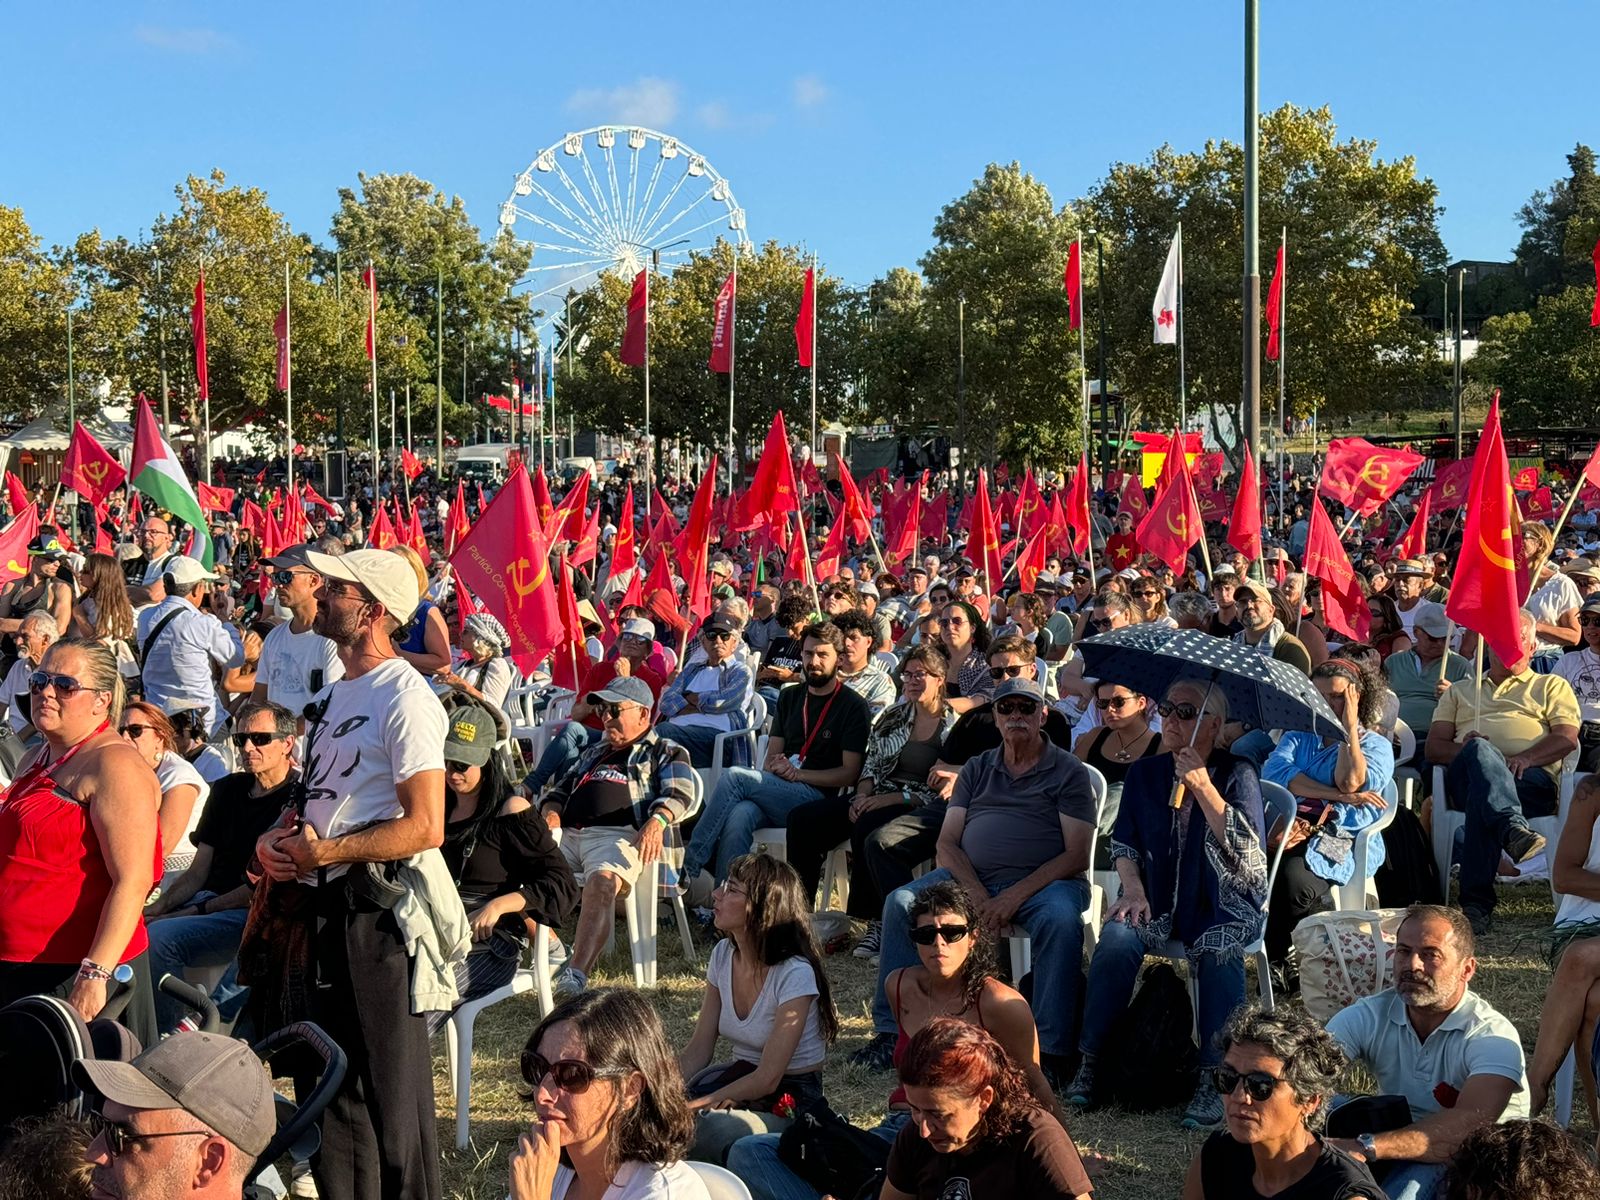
89,969
665,824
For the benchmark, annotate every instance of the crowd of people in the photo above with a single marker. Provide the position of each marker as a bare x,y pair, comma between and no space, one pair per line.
298,779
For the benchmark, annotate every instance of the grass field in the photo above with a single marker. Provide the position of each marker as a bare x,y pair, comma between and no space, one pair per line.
1146,1155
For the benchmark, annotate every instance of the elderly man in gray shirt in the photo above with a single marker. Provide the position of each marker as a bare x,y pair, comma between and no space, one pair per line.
1017,837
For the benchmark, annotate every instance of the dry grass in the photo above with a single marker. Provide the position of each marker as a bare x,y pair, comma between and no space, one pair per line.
1146,1155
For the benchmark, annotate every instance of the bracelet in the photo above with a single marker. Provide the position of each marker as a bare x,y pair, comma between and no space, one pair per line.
658,816
89,969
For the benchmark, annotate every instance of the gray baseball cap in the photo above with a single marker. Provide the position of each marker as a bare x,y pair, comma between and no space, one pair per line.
624,689
1018,686
1432,621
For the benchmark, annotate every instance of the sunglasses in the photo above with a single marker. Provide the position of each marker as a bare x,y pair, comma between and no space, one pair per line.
609,709
285,578
1585,621
1016,708
134,732
926,935
568,1074
717,635
255,739
1115,703
459,768
1100,622
1257,1084
838,595
1184,712
914,677
119,1137
952,620
1146,593
1011,672
65,685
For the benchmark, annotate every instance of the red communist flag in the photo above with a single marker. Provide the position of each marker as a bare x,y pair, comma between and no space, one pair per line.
214,499
1032,515
566,522
902,548
1450,485
88,467
17,494
1415,542
543,510
722,327
1525,480
505,563
857,509
624,557
1173,523
1484,592
1591,470
369,280
1244,529
772,492
197,327
1362,476
1072,277
936,518
696,543
636,334
14,541
832,552
456,523
984,546
1031,561
569,659
1077,510
1343,604
380,536
410,463
1275,309
1539,506
1594,313
588,543
1133,499
805,324
794,565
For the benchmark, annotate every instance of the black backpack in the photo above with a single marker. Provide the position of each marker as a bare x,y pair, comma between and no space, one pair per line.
1409,874
1148,1060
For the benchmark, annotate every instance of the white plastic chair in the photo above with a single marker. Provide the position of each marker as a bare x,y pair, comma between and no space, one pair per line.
1360,892
721,1183
534,976
1407,779
1017,939
725,741
641,908
774,840
1447,822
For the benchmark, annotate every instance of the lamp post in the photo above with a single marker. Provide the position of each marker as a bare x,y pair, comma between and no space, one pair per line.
961,378
1252,236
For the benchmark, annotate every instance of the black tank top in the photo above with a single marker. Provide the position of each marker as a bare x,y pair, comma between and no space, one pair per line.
1111,768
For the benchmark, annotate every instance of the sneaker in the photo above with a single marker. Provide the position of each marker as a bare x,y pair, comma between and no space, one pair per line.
568,983
1080,1092
1205,1108
1481,920
867,947
1523,844
876,1055
301,1185
558,952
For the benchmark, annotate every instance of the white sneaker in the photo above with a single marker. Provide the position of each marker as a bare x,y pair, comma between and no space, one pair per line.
569,982
301,1184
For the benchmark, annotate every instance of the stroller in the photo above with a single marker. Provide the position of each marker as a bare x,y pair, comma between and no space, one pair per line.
42,1036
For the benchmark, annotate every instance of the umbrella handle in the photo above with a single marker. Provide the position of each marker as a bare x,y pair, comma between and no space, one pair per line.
1177,794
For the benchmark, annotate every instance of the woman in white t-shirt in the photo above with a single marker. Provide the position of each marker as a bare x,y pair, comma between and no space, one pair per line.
610,1100
1554,601
183,791
766,992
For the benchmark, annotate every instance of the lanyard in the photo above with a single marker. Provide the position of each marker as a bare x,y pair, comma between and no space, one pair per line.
805,717
42,766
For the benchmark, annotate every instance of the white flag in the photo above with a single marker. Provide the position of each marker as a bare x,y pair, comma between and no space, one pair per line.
1168,296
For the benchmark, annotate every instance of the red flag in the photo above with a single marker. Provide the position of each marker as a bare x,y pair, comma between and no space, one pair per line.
456,522
1244,529
1450,483
1058,536
1539,506
369,280
1032,560
1275,308
805,323
214,499
659,579
1362,476
381,535
197,326
18,495
14,541
857,510
252,519
636,335
772,492
1415,542
1591,470
983,547
466,606
88,467
832,552
1133,499
1208,466
1073,278
566,522
936,518
1173,523
1343,604
588,543
543,511
696,543
1525,480
1077,508
722,327
811,477
623,555
1031,513
102,539
505,562
310,495
1484,592
570,657
1170,461
1594,313
280,335
902,547
410,463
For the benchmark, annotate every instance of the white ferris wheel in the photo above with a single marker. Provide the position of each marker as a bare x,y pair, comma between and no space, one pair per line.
606,198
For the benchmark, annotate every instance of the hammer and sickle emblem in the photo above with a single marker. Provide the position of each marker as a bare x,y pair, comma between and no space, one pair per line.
520,570
1504,561
95,472
1179,524
15,567
1376,472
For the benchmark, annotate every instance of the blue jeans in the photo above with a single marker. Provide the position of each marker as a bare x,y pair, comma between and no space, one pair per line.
1496,804
699,740
566,744
1053,918
211,940
755,1160
745,800
1114,970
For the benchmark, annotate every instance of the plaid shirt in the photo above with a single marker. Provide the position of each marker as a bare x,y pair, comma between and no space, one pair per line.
659,776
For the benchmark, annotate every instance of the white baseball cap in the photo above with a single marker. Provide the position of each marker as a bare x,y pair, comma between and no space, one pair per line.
186,571
388,577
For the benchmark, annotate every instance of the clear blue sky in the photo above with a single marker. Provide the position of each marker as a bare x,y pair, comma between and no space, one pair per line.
843,126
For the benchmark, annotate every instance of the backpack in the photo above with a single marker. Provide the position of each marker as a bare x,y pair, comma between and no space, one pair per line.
1409,874
832,1155
1148,1062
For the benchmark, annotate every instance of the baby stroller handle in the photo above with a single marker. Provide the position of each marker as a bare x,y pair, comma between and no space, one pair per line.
196,998
119,990
334,1064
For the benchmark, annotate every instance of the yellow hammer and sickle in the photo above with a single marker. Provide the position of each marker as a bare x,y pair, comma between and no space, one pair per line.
1378,480
1181,528
1504,561
95,471
519,572
14,566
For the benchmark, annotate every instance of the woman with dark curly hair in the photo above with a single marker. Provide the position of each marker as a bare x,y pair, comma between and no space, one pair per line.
1520,1160
612,1115
1339,788
1278,1071
975,1129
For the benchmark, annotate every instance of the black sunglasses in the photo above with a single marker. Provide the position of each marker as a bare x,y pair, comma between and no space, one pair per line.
1100,622
119,1137
568,1074
1258,1084
135,732
717,635
65,685
1590,620
1114,702
1011,672
286,577
254,739
1184,712
460,768
926,935
1013,708
611,708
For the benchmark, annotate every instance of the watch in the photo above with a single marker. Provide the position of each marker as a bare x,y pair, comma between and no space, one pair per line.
1369,1146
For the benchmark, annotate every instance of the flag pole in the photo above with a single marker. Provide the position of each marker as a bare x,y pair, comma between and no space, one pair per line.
733,314
649,440
1566,509
288,380
372,363
1283,310
1183,387
805,553
814,356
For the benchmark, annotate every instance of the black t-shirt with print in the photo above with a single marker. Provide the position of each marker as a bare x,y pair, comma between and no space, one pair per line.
833,725
1038,1162
601,795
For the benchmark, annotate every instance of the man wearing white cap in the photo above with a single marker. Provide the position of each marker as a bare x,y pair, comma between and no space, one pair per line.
374,779
179,646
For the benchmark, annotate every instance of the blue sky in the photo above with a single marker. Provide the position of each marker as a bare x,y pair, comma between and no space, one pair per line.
844,127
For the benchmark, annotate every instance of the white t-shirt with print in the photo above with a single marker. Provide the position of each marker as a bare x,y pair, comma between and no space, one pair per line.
378,731
289,659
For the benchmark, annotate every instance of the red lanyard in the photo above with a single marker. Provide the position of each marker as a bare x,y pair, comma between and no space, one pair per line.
42,766
805,717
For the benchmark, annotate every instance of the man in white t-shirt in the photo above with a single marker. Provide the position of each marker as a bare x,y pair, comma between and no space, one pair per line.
709,698
1457,1062
1408,579
374,781
296,661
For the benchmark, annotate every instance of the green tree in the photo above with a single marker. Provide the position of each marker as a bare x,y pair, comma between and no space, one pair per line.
1547,361
907,377
34,293
1559,228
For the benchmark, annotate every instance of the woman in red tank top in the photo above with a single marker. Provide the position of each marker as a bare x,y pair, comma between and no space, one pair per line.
79,850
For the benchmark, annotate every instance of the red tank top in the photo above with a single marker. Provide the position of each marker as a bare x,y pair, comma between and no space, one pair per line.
53,877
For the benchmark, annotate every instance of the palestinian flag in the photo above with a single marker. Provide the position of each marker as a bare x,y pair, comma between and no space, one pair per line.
159,475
